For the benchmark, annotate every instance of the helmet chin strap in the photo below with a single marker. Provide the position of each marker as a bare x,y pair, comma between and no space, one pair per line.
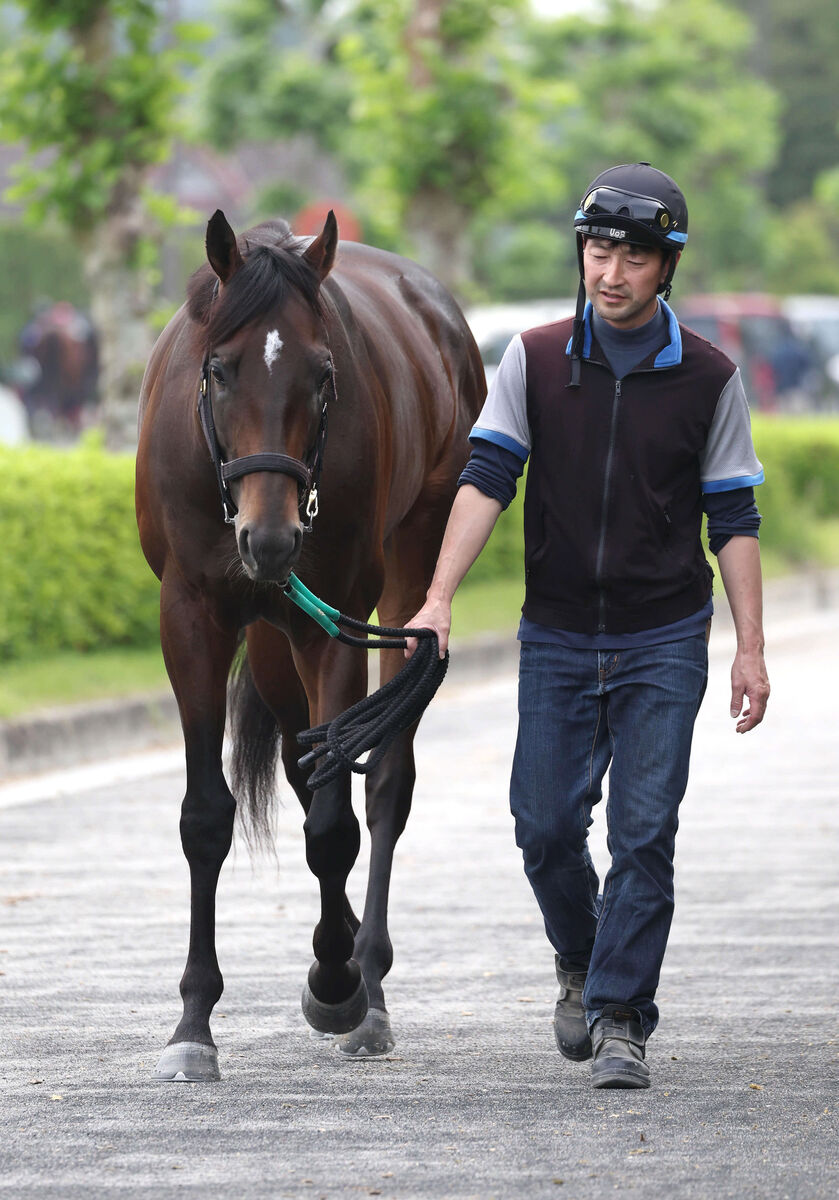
668,278
577,336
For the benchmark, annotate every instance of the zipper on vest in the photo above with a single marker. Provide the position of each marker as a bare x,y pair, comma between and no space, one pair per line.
607,490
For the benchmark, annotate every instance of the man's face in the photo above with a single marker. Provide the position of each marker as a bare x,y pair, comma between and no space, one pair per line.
622,280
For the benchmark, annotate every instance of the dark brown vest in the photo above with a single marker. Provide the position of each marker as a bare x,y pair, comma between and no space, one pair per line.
613,503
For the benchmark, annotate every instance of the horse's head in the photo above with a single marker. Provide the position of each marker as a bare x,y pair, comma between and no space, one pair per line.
269,374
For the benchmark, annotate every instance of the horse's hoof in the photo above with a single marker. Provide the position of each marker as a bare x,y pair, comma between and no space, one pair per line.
335,1018
188,1062
371,1039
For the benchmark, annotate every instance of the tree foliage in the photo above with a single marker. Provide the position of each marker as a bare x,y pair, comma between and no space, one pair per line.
803,242
669,84
475,112
273,75
797,52
90,88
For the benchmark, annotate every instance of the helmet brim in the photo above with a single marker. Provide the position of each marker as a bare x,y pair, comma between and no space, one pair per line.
617,227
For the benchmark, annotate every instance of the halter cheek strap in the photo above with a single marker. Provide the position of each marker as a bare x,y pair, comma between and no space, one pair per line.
308,477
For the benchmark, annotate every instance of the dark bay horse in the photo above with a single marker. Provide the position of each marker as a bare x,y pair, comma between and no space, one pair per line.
276,332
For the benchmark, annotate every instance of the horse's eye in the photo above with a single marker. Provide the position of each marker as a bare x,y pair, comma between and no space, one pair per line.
217,373
326,378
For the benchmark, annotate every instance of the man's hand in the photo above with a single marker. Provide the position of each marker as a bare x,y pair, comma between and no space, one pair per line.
739,561
470,524
436,615
749,680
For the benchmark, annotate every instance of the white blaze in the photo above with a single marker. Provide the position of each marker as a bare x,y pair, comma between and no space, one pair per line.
273,346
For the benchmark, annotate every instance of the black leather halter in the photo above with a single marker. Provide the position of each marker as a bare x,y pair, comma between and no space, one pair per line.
307,475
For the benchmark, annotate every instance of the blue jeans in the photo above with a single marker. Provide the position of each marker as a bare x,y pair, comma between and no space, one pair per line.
579,711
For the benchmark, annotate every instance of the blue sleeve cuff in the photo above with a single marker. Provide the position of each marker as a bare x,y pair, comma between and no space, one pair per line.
730,485
499,439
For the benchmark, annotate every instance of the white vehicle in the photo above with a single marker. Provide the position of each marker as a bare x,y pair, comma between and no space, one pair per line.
14,427
495,325
816,321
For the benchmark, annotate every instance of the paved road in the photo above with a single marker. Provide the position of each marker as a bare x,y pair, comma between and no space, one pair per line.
475,1101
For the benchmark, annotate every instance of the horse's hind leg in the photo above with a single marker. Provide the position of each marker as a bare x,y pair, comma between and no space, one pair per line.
198,655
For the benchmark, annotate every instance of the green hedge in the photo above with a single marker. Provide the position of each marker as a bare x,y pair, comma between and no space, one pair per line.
800,497
72,575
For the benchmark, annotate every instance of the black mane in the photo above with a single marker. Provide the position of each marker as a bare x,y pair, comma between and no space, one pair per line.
272,266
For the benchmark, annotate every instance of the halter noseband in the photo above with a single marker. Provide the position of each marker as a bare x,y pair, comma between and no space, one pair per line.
307,476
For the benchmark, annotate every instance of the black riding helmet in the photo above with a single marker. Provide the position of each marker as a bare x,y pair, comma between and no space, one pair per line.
634,203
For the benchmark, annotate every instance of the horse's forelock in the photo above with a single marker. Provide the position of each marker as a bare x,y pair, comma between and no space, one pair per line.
267,276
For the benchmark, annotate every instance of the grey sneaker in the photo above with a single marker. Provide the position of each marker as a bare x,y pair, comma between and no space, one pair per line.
570,1027
617,1039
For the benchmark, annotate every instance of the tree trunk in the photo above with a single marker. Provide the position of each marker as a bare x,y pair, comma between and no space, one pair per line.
437,226
436,223
120,304
120,296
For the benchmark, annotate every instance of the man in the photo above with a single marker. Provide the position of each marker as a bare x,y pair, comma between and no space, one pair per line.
632,424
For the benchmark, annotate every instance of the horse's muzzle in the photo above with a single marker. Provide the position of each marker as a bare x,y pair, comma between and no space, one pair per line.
269,555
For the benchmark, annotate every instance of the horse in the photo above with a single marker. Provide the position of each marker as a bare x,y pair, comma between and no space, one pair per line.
238,484
62,346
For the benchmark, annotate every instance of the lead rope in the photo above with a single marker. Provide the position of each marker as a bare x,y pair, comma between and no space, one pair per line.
373,723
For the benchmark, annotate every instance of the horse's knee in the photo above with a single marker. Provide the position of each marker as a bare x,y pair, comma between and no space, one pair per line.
207,826
333,838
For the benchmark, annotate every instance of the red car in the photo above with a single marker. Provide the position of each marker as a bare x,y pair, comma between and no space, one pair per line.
777,366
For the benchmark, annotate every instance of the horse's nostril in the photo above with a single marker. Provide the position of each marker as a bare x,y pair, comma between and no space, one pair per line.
269,554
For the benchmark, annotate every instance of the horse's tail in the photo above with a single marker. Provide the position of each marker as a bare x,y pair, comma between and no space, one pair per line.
256,745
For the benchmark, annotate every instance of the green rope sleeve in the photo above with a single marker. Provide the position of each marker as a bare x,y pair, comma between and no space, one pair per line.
319,611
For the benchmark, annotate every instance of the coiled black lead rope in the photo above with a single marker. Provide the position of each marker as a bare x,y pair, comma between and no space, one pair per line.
373,723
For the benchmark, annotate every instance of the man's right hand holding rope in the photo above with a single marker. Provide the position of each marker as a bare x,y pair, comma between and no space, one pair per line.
471,521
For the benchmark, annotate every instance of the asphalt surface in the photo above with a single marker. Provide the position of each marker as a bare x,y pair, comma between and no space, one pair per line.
474,1101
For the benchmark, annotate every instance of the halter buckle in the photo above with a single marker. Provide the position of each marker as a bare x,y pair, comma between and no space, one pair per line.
311,509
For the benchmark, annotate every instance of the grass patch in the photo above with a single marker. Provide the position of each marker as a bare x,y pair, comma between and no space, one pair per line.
68,678
490,607
73,678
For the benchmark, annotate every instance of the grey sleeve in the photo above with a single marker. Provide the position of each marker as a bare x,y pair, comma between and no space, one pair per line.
729,460
503,418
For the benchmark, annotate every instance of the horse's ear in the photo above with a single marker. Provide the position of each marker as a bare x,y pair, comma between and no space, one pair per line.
321,254
222,251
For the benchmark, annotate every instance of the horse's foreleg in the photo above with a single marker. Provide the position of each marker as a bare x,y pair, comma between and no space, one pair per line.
198,654
279,686
389,792
335,996
290,753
